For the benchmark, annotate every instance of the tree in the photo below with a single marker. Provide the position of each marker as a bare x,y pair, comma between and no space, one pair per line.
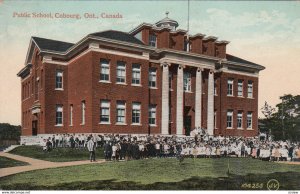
268,111
10,132
285,122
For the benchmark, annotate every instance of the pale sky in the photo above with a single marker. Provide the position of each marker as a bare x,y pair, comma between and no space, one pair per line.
267,33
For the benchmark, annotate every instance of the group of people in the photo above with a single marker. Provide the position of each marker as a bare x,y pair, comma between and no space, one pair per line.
198,145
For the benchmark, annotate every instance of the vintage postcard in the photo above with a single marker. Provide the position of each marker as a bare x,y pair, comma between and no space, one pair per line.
149,95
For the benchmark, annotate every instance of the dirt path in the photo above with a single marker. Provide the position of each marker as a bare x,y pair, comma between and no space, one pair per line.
35,164
289,162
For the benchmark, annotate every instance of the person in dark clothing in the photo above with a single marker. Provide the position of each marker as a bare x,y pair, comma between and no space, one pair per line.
53,141
107,151
48,145
129,151
72,141
291,151
124,147
258,152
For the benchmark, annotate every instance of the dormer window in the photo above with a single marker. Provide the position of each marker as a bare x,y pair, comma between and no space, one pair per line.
152,40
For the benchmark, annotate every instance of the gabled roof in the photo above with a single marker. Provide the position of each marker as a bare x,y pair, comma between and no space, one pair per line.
240,60
118,35
52,45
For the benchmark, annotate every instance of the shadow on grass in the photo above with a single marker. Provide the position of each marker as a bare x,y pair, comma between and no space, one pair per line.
287,180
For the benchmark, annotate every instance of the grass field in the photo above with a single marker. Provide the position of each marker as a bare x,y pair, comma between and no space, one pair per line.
153,174
56,155
7,162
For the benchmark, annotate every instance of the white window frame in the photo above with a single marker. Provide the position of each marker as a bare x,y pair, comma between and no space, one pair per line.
136,74
136,113
59,80
229,119
152,115
104,70
240,120
153,40
105,111
152,78
121,112
59,116
121,72
187,81
250,89
230,87
240,88
83,110
71,114
249,120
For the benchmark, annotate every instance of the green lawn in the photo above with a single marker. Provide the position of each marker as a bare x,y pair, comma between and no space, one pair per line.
7,162
159,174
56,155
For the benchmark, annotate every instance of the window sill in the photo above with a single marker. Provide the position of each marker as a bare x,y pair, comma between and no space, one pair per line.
230,95
230,128
240,128
82,124
137,85
121,124
154,88
104,123
171,90
59,89
136,124
189,92
153,125
250,98
240,96
250,129
60,125
121,83
103,81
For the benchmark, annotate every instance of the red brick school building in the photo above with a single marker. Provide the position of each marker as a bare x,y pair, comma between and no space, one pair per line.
156,79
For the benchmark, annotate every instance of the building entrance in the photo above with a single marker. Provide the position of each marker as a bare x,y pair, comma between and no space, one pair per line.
187,124
34,127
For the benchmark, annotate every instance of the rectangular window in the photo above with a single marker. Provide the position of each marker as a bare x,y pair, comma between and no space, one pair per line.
152,40
240,88
104,111
83,112
59,115
230,87
187,81
152,114
59,80
215,88
215,119
71,115
250,89
152,78
136,74
240,120
170,80
121,107
121,72
229,118
136,113
104,70
249,120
